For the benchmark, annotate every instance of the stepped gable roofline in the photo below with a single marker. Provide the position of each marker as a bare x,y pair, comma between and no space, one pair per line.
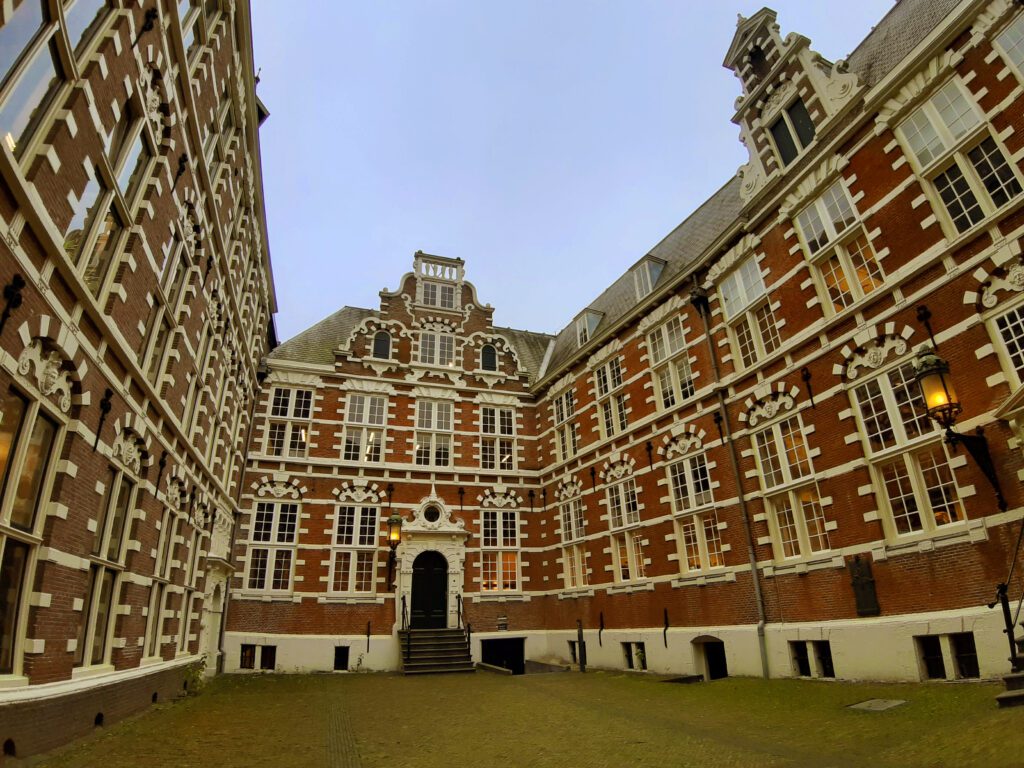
317,343
897,34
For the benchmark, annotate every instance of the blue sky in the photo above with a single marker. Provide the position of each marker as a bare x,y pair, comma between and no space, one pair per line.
549,143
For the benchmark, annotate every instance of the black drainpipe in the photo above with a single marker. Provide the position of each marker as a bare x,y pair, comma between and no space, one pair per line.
699,299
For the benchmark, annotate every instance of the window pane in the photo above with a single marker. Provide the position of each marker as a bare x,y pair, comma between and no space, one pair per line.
875,416
713,540
801,122
28,98
257,567
33,472
835,283
909,402
688,528
940,487
12,415
103,614
103,251
346,526
813,229
12,581
80,17
954,109
814,519
120,518
22,24
796,448
1011,39
837,205
771,469
783,141
303,404
509,570
901,497
770,338
866,270
342,564
787,527
994,172
958,198
364,572
745,342
489,571
1010,325
282,569
382,345
288,515
924,140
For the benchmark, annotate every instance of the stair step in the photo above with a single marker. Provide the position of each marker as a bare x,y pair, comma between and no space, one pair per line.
1013,698
1014,681
440,669
441,658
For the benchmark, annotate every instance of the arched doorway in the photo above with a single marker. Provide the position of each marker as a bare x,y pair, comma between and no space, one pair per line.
429,591
709,656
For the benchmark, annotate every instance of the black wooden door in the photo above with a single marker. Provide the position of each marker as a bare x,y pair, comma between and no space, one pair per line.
429,591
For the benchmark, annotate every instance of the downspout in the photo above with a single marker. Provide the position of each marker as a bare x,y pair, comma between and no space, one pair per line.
699,300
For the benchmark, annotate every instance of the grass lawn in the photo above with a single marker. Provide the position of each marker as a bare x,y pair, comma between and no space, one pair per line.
596,719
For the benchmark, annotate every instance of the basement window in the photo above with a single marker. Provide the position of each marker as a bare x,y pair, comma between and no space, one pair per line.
248,657
268,657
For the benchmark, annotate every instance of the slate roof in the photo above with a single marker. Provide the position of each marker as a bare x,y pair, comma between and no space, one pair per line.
317,343
531,348
899,31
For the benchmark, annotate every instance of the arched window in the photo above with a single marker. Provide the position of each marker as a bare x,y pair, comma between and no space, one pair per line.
488,358
382,345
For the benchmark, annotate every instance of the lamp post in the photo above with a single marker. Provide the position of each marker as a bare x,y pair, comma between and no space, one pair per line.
394,539
943,406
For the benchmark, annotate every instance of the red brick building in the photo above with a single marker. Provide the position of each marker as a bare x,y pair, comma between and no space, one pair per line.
723,464
136,303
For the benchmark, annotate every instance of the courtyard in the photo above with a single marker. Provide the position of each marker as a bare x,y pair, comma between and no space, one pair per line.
564,719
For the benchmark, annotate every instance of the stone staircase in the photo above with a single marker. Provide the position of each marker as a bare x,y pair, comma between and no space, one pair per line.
433,651
1013,696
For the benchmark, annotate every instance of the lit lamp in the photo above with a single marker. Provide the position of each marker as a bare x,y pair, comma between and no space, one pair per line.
937,388
394,539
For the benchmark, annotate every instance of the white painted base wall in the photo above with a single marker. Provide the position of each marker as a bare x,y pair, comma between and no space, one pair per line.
880,648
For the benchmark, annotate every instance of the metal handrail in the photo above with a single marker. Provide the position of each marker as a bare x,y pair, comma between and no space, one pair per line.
405,628
405,615
458,610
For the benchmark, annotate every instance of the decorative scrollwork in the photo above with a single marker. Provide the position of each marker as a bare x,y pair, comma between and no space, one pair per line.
47,366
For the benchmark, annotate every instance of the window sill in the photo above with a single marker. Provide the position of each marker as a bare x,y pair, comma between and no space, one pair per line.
13,681
572,594
510,597
99,670
351,599
702,578
967,531
265,598
627,587
802,565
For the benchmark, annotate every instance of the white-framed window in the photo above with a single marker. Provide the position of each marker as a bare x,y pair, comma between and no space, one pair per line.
628,549
697,527
566,438
574,553
497,438
623,506
792,131
586,324
29,440
670,363
188,593
950,145
107,557
437,348
798,525
838,248
382,345
197,18
433,433
435,294
272,540
1011,41
499,550
611,400
909,463
288,430
749,313
364,427
645,276
488,358
354,549
781,451
1009,327
170,527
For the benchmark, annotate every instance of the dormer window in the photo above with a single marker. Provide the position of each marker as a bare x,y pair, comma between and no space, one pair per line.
438,294
792,131
586,324
645,276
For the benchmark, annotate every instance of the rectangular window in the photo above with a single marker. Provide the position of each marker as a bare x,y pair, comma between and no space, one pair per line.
608,378
781,452
745,305
438,294
29,71
670,363
629,556
275,528
289,438
572,519
497,446
576,573
623,507
798,523
355,546
433,433
364,429
566,439
690,483
437,348
914,479
969,170
701,541
792,131
1011,330
499,555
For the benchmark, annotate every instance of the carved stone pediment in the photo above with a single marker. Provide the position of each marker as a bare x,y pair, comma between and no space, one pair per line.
568,488
47,368
128,449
